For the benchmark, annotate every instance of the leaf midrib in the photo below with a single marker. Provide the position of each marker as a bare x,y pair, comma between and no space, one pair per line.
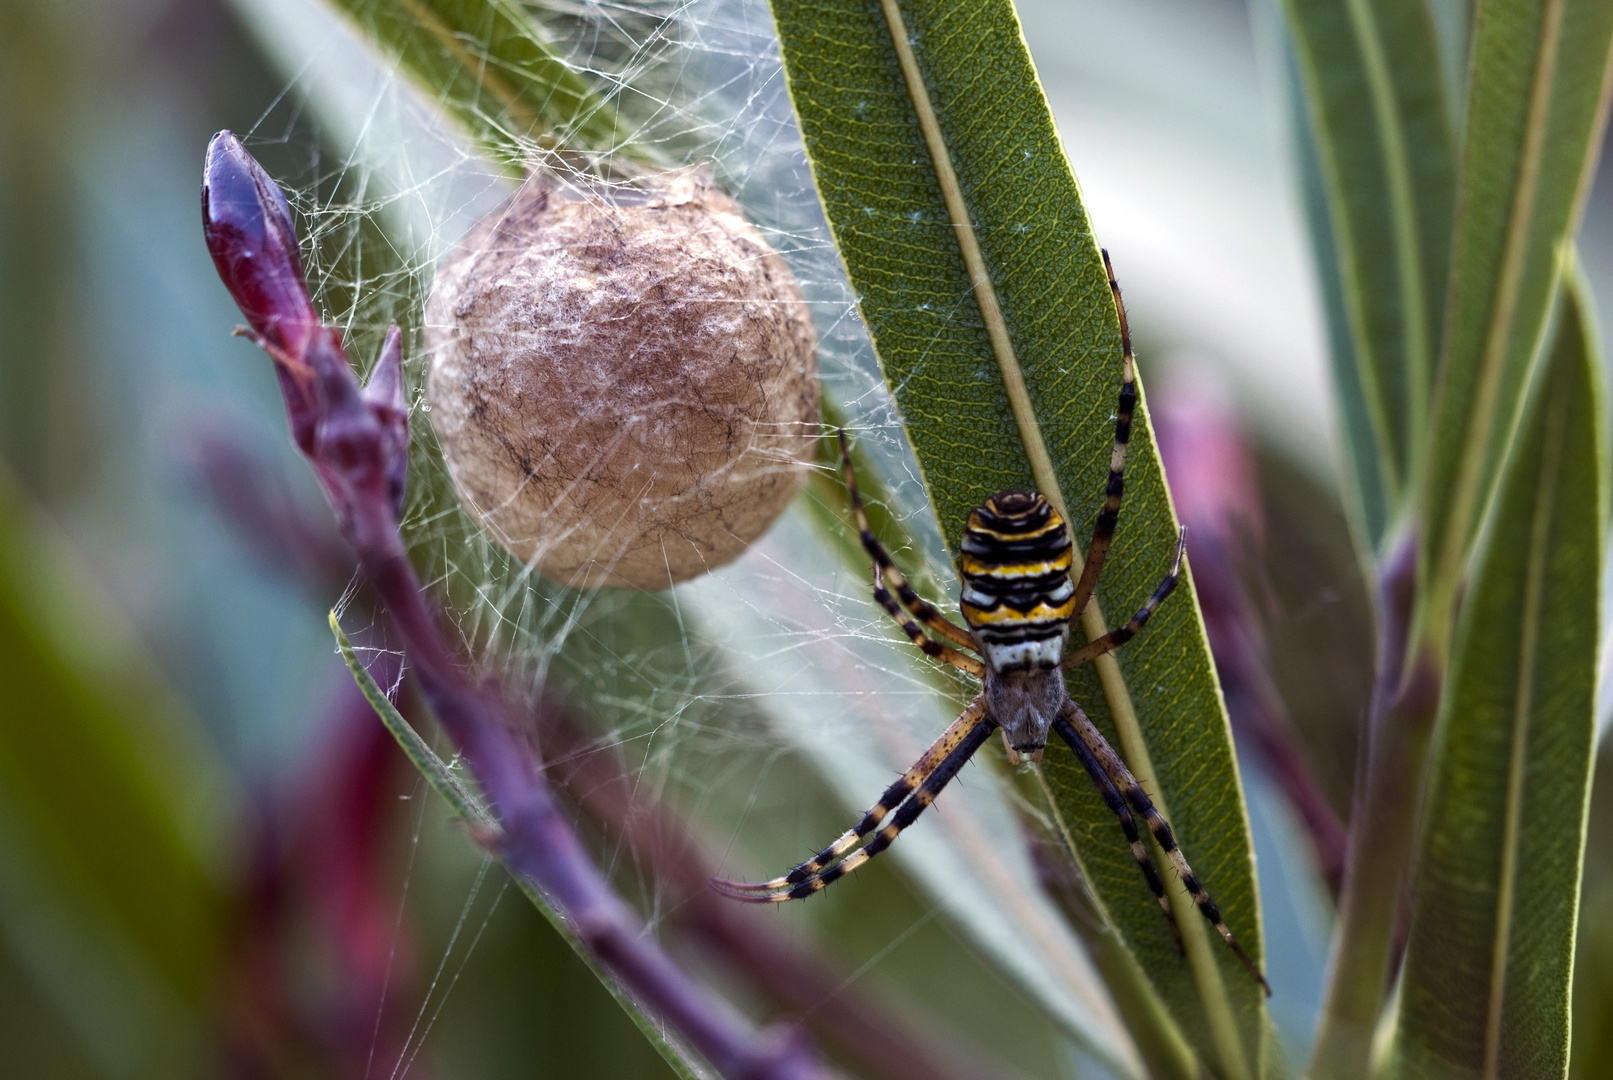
985,293
1403,217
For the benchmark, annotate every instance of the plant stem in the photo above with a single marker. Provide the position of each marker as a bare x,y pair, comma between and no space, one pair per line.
1404,703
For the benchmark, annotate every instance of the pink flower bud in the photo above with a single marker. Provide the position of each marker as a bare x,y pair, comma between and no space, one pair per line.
254,246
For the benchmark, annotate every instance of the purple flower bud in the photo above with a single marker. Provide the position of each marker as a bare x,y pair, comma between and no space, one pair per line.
254,246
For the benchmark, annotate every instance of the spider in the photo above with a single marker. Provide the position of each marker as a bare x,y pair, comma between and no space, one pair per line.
1018,600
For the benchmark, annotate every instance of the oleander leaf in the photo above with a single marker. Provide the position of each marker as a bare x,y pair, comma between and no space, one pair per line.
953,365
1538,93
1485,990
1377,149
489,64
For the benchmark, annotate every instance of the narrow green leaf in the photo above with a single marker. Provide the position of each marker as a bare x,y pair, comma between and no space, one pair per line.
1379,145
469,806
979,279
489,64
1486,983
1537,105
1366,481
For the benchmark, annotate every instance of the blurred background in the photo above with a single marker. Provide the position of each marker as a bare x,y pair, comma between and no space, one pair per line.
213,861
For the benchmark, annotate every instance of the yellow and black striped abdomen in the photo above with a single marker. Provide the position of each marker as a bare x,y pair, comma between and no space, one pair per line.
1017,594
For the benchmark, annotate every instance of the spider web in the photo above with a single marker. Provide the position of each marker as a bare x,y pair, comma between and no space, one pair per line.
714,690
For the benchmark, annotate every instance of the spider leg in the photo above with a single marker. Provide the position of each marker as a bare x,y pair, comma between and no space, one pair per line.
1103,530
1128,824
930,646
1121,777
908,813
1122,634
893,797
924,611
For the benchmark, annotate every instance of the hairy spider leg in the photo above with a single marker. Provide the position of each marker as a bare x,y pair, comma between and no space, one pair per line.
924,611
1122,634
930,646
915,805
1103,530
1128,824
1074,723
894,795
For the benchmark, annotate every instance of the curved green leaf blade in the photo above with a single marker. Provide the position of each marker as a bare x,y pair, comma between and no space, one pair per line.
1537,104
1486,982
470,808
1378,144
1366,483
488,63
952,356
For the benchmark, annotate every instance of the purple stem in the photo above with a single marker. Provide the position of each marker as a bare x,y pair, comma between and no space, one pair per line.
357,441
1254,703
1213,479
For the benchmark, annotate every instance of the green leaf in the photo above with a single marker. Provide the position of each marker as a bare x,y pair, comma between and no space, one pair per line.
1486,980
489,64
469,806
107,895
1006,373
1378,153
1366,486
1537,104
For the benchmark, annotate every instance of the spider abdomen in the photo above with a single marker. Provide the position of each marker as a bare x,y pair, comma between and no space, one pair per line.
1018,598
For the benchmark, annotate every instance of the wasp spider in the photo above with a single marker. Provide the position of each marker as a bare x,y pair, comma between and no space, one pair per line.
1018,600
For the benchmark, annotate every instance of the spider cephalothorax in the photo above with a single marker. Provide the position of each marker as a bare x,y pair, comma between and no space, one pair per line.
1018,599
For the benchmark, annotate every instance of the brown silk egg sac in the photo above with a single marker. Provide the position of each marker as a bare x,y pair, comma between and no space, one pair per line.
624,383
